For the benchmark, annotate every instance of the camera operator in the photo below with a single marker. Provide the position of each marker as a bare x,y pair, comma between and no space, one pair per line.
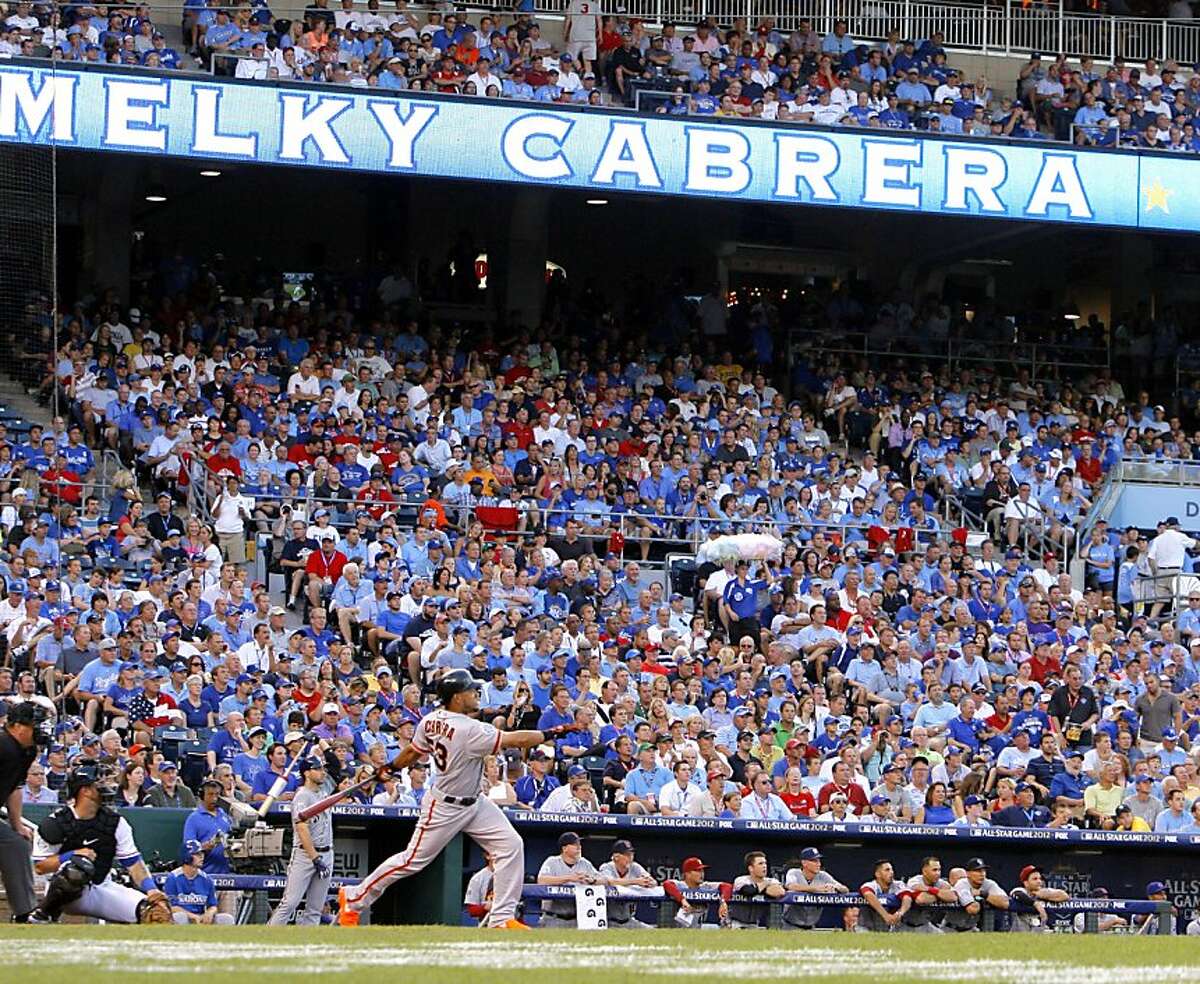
19,741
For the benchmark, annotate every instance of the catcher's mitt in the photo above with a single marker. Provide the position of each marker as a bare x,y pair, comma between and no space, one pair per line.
154,908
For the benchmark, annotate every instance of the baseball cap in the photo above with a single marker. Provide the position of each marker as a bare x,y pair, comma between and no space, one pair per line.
331,708
292,736
976,864
693,864
810,854
568,837
973,800
1028,870
1154,887
622,847
880,801
191,847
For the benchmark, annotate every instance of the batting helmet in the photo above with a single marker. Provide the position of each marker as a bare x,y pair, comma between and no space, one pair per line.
455,682
312,762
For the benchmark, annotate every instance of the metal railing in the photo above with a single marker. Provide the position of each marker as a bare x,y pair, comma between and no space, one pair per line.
689,531
1007,28
955,349
1156,471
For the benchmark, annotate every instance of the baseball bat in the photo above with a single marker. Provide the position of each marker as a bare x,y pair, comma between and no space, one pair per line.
321,805
278,786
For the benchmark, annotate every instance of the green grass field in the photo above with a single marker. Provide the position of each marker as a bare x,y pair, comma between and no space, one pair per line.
440,955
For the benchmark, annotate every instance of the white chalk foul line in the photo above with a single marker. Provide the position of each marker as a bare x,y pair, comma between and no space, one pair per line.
530,954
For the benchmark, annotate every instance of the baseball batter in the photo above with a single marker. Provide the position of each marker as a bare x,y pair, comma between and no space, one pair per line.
77,845
457,742
311,866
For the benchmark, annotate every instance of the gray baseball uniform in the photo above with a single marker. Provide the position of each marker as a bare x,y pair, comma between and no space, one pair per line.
458,745
560,913
623,914
960,919
303,881
921,918
479,888
744,914
804,916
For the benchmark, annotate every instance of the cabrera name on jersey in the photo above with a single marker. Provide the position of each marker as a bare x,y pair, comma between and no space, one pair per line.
457,745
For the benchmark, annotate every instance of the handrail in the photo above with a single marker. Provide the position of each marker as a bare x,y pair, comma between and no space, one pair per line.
694,535
1157,471
1006,28
955,349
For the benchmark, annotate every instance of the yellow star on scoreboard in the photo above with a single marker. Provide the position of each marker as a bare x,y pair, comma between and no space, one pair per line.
1157,196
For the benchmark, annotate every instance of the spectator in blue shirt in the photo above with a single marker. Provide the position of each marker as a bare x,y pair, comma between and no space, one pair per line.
192,894
1175,817
643,783
838,41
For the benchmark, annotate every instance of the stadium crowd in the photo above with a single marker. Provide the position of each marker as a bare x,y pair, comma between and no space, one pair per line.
694,69
424,501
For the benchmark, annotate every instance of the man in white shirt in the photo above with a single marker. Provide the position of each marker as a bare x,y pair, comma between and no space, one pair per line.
568,79
825,112
256,654
1166,556
23,20
232,511
434,452
948,89
256,65
842,96
482,77
161,454
303,382
681,798
346,16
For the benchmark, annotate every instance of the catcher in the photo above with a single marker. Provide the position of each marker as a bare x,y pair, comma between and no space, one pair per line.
76,846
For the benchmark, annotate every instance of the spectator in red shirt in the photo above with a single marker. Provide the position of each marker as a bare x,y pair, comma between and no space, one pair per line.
323,567
222,460
843,783
61,484
1043,664
797,799
1088,467
375,492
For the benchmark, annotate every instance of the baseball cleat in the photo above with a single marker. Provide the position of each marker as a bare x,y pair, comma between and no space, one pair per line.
513,924
346,915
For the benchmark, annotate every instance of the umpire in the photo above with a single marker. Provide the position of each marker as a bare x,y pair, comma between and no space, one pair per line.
310,869
19,743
